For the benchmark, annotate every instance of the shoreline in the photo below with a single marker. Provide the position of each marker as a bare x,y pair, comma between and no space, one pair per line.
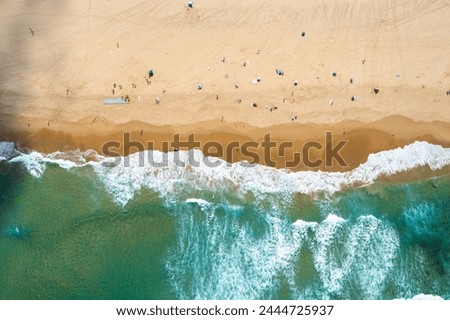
362,139
414,163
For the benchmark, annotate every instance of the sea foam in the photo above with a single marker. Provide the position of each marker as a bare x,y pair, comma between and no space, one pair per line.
123,182
36,163
369,249
232,263
7,150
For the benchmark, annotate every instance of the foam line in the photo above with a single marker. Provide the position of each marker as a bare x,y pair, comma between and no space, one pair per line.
123,182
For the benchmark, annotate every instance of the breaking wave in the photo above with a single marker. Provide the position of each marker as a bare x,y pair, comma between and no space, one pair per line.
350,258
123,182
243,232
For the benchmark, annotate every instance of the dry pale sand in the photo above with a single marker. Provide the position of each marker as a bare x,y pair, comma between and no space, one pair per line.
60,59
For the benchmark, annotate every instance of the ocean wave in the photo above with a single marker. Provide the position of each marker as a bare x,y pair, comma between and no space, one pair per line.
350,257
360,253
33,162
123,182
7,150
233,263
36,163
200,202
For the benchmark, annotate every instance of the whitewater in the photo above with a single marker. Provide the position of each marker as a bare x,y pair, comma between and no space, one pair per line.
234,231
123,182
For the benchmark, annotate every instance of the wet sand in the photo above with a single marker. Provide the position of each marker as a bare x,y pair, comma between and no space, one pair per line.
360,140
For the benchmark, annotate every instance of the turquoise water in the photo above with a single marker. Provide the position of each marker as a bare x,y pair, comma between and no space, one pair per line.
63,236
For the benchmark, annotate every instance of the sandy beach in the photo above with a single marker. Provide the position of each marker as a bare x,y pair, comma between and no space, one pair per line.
59,61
